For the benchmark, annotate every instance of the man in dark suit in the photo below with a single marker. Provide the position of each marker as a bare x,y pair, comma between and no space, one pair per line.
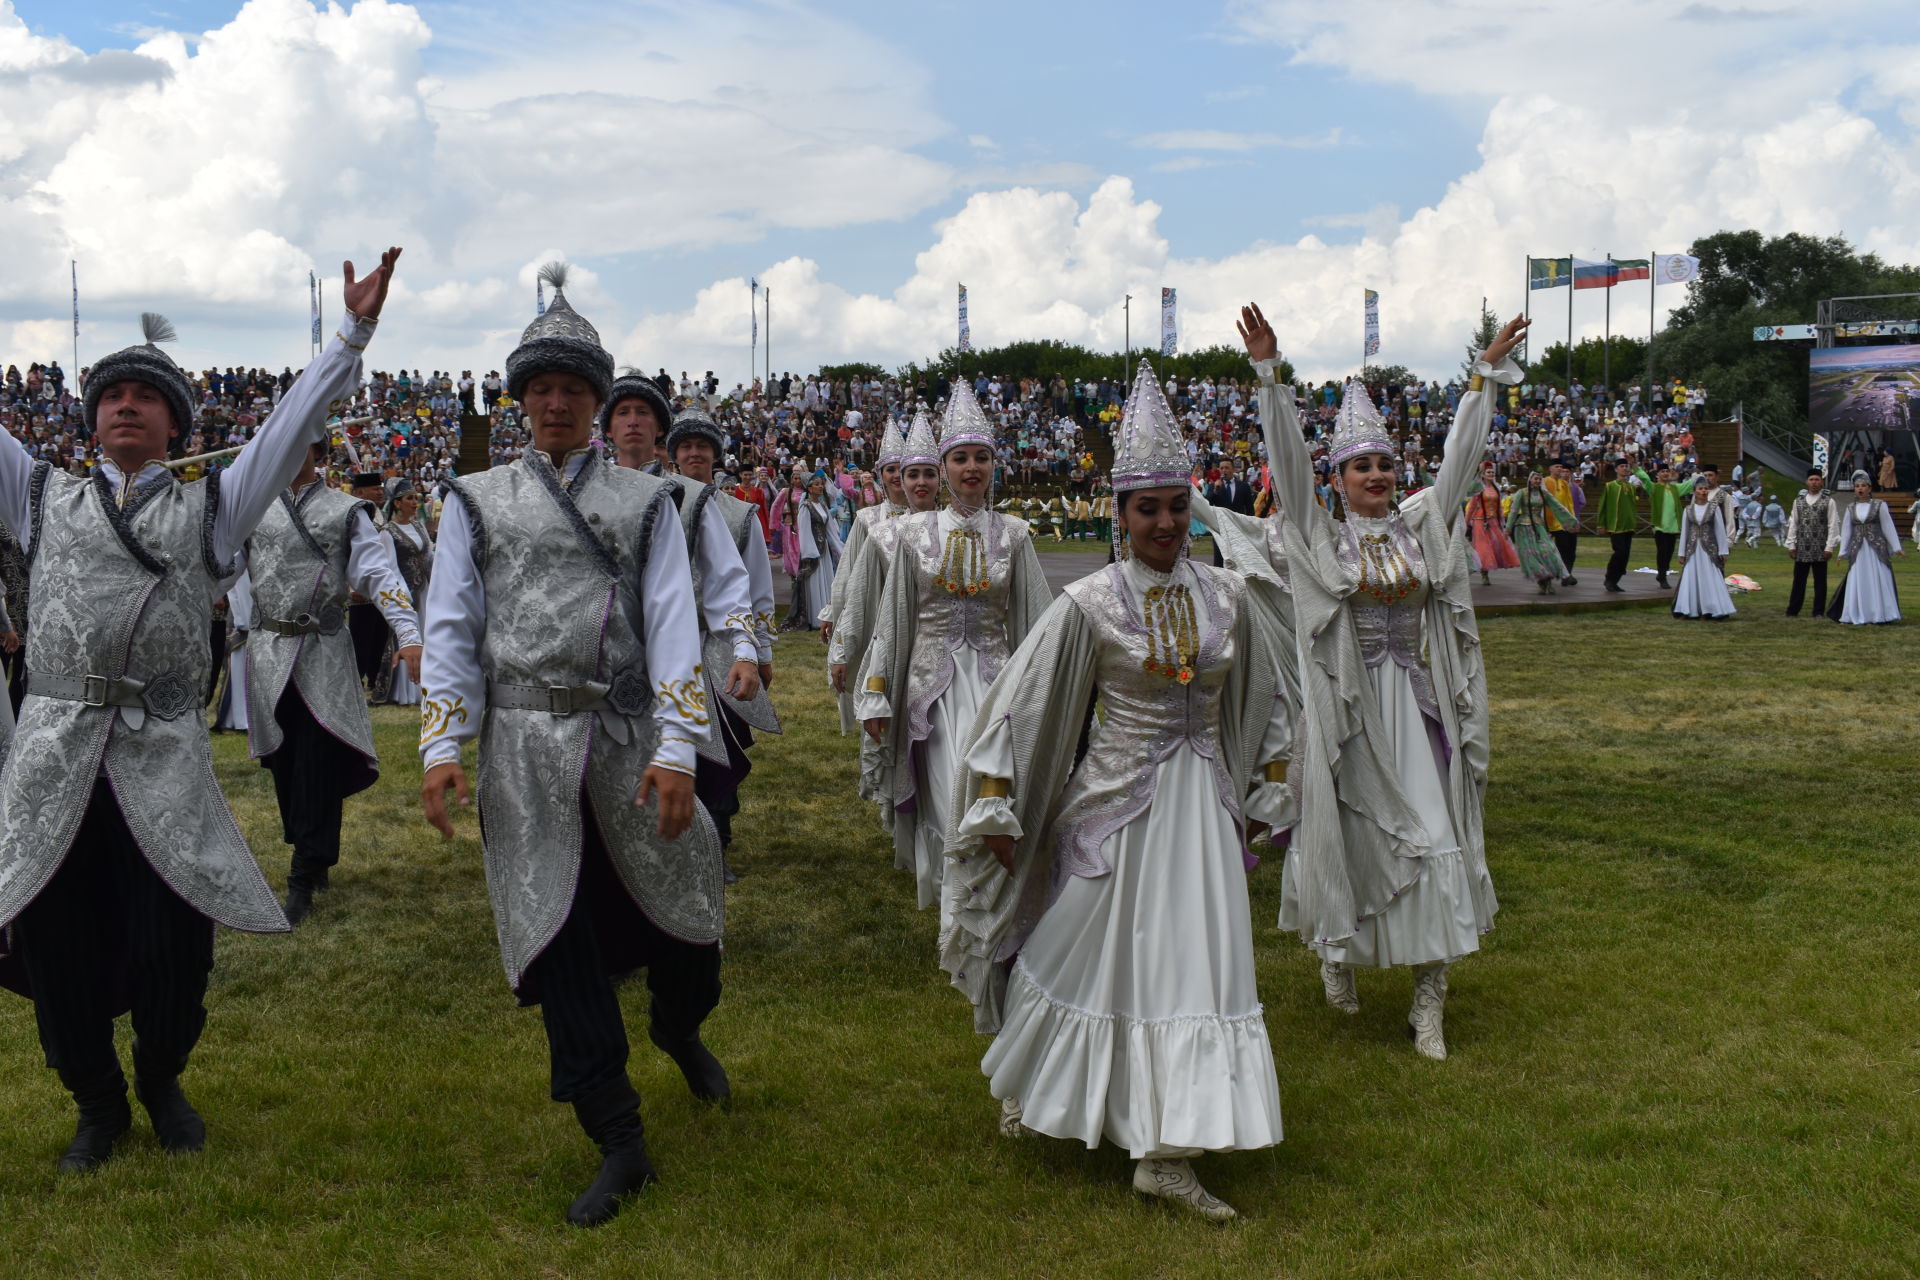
1230,493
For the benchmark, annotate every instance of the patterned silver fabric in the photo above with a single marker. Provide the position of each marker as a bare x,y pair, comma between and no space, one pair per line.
128,593
1812,516
1094,637
297,559
562,569
1863,525
1392,630
716,648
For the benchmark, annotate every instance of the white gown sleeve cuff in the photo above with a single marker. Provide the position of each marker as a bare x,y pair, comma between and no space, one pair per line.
989,816
868,705
744,649
445,751
1506,373
1265,368
1273,804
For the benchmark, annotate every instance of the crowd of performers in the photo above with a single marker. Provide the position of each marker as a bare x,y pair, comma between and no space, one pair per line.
598,618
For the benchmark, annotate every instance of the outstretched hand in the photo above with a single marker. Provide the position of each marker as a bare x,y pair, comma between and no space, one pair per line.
365,297
1257,334
1510,337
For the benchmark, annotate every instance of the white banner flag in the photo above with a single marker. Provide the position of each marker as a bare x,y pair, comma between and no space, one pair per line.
313,305
1373,324
966,334
1674,268
1169,324
1820,454
539,297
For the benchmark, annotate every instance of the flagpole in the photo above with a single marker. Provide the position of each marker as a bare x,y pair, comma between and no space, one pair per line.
74,266
1572,287
1526,305
1653,287
767,347
1606,343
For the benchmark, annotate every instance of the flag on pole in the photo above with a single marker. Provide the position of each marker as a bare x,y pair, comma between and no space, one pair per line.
1549,273
1169,325
313,305
1373,323
75,266
1820,447
753,308
1625,269
1592,275
539,296
1674,268
966,334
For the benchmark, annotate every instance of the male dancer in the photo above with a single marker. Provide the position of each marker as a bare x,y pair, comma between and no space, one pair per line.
1617,517
636,417
1813,535
562,633
118,854
1566,539
733,585
364,621
307,718
1665,498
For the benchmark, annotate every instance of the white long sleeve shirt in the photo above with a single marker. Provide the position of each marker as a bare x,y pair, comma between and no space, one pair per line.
374,573
263,468
726,595
451,674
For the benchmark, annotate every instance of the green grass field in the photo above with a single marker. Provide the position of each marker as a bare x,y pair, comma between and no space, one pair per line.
1689,1049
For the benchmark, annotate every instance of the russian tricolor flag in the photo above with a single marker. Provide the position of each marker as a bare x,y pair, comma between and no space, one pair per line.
1604,275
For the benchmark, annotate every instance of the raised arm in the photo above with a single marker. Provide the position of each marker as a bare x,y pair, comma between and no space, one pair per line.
1467,441
1288,461
272,458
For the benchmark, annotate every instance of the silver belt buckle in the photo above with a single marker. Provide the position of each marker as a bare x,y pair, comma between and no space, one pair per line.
560,699
304,621
93,690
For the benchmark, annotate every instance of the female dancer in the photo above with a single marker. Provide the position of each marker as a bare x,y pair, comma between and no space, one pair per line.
1115,885
964,589
1703,558
869,517
1488,526
1387,865
1868,541
413,553
1527,522
866,588
818,548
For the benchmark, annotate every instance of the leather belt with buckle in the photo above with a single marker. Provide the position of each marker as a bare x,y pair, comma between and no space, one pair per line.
167,696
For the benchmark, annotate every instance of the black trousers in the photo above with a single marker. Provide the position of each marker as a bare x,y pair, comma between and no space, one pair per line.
310,779
717,786
1567,542
1798,597
105,932
368,628
1663,545
1617,563
218,640
575,977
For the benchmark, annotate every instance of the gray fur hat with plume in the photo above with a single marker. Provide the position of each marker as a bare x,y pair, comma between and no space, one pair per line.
694,424
145,363
559,340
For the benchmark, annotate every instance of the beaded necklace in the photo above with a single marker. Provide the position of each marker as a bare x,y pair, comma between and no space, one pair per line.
963,566
1385,572
1173,633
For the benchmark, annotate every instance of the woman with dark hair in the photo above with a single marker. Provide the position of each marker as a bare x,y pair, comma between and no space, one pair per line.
1868,541
816,540
1529,523
1101,924
962,591
1387,865
1704,542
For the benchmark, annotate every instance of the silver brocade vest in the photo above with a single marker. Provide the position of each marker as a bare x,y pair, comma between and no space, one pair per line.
1389,608
126,593
1864,526
951,620
1147,715
561,568
297,560
716,648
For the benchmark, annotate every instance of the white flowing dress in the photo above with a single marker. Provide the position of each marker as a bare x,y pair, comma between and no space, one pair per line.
819,585
1871,597
1703,548
1132,1013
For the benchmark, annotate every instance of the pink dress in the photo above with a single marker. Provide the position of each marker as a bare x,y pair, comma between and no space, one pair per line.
1490,541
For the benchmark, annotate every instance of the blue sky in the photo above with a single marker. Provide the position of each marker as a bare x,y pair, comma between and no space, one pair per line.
864,157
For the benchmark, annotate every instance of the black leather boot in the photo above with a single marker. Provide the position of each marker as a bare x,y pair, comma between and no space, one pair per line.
610,1115
156,1082
706,1078
105,1118
302,884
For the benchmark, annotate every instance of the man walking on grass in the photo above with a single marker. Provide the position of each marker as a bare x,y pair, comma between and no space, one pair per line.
1617,517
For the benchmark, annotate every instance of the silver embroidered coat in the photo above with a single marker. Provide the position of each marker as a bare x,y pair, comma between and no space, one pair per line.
126,592
716,647
297,562
561,568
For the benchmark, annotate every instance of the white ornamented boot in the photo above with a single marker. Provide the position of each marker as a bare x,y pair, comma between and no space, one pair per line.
1341,991
1174,1180
1429,1000
1010,1113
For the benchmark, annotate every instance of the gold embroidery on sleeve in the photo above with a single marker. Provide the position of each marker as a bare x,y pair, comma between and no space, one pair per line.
438,715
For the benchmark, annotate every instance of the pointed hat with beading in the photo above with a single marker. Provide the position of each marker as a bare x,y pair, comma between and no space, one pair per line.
965,422
1359,428
1148,450
920,449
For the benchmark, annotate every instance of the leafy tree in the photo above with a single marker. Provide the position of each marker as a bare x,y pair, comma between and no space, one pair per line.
849,372
1590,363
